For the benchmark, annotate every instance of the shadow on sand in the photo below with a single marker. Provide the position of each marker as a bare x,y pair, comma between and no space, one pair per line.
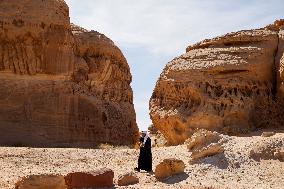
176,178
258,132
218,160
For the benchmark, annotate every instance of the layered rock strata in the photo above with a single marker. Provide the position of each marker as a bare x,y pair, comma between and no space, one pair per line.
60,85
231,84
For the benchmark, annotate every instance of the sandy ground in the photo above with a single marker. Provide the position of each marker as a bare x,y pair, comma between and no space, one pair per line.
233,169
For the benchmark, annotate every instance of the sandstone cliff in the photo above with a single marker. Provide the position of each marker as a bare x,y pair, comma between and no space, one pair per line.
60,85
231,84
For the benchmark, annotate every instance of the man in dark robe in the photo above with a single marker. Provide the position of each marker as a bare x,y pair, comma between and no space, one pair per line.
145,156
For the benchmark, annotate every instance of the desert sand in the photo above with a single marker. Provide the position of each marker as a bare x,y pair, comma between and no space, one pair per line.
232,169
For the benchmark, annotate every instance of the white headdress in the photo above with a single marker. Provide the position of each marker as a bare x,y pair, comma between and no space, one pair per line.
147,135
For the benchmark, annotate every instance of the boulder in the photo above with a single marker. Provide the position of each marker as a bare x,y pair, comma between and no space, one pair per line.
207,151
202,138
60,85
96,179
41,182
231,84
169,167
204,143
128,179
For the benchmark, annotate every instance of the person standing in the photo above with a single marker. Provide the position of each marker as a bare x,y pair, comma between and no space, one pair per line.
145,156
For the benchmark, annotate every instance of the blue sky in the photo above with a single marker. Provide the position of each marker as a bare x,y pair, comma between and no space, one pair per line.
150,33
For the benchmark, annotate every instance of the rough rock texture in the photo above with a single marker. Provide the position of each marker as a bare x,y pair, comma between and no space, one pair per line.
231,84
60,85
207,151
41,182
204,143
99,178
128,179
202,138
169,167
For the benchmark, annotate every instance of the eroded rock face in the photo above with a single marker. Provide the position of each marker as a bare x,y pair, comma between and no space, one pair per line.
35,37
60,85
231,84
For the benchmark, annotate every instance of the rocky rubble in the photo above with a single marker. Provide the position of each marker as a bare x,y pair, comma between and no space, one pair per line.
230,84
60,85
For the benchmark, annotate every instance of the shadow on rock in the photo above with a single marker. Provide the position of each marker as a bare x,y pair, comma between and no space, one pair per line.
175,178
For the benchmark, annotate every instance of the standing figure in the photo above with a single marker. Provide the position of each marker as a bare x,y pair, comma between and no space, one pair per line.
145,156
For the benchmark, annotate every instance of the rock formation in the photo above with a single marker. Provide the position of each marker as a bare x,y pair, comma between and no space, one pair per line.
231,84
60,85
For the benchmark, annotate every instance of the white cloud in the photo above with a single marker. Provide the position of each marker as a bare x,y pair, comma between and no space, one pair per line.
166,26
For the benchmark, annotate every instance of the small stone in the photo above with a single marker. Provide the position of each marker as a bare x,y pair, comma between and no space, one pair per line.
128,179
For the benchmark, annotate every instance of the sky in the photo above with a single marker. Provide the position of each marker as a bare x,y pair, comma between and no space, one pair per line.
151,33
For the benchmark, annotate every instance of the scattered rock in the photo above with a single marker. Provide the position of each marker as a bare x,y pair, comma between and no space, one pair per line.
41,182
128,179
169,167
267,134
99,178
